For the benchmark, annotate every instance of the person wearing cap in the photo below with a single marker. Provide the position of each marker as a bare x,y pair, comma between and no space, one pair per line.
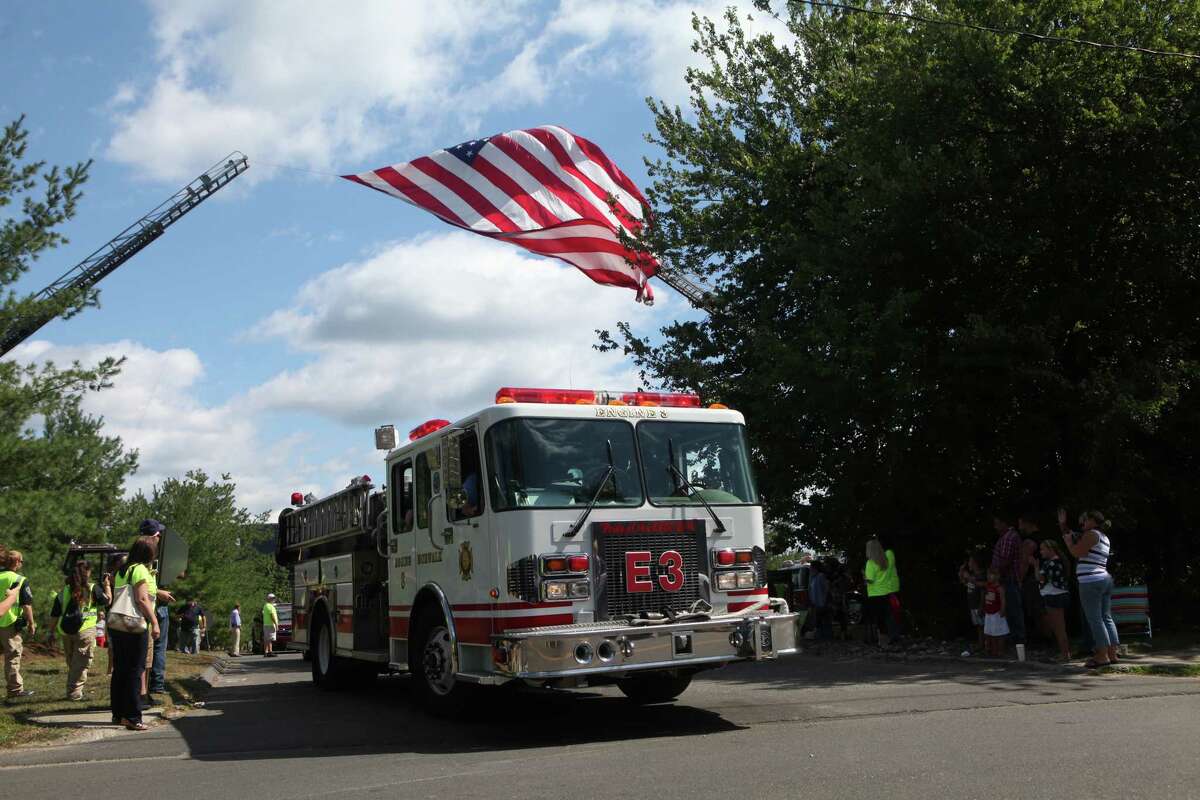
154,679
270,624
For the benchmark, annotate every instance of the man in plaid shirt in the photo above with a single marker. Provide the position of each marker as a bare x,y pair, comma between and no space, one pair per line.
1006,556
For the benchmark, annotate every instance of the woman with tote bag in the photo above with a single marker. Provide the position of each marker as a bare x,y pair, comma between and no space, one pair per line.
130,621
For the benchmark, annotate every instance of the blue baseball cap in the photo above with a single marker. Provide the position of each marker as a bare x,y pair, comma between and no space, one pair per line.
149,527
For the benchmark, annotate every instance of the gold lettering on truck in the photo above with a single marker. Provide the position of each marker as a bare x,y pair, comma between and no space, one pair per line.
631,412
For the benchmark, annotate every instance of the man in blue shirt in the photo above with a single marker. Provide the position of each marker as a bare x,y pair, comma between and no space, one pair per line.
818,596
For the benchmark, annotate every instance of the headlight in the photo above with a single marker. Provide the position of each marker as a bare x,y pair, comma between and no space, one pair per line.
726,581
745,580
554,590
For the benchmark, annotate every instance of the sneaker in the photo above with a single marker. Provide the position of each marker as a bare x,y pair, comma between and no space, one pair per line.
20,694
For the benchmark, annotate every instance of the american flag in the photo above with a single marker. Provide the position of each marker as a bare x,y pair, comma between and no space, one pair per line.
544,189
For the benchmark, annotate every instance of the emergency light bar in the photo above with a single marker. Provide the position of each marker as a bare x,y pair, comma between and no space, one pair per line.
511,394
426,428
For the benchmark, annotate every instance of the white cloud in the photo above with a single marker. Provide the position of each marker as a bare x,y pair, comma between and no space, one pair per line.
432,327
324,86
152,406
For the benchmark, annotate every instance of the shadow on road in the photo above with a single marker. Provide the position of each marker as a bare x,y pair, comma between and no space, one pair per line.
295,720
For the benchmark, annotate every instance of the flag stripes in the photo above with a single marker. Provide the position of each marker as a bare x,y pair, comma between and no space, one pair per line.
543,189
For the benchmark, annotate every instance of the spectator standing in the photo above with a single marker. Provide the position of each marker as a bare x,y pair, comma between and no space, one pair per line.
189,627
15,623
818,595
995,622
1006,559
76,609
154,680
839,591
972,577
1052,577
1091,547
129,649
883,587
117,563
235,630
270,624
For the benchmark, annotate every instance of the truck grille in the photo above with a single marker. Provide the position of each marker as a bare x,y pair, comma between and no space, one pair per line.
612,540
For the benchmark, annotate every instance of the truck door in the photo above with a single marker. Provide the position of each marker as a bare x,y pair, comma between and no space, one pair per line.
458,557
401,525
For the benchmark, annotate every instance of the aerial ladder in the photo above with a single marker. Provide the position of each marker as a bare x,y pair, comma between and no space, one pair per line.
126,244
697,296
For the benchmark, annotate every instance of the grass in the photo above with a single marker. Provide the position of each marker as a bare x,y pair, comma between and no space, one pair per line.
1171,670
45,674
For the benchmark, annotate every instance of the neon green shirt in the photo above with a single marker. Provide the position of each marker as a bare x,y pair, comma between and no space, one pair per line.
270,616
882,581
8,579
88,609
132,577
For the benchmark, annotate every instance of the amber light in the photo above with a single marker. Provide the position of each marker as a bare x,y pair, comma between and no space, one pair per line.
555,565
426,428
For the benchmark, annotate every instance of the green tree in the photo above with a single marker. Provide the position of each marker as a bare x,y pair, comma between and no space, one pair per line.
954,271
230,553
60,477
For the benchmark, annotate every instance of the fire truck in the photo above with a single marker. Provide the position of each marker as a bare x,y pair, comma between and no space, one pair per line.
558,537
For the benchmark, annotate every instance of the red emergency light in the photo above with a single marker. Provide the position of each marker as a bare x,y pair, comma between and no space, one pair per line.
514,394
297,499
426,428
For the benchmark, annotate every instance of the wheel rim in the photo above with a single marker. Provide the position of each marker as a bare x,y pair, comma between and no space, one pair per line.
324,651
436,662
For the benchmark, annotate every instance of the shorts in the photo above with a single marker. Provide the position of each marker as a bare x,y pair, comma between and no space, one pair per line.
995,625
976,617
268,633
1061,600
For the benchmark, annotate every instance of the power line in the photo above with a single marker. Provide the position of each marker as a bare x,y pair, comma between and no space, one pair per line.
1002,31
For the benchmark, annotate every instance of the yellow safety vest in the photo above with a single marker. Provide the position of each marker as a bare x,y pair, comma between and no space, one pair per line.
88,609
8,579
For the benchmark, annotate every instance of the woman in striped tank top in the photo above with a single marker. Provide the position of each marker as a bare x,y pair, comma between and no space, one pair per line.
1091,548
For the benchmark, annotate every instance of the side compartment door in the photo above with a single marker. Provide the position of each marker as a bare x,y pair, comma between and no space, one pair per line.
401,579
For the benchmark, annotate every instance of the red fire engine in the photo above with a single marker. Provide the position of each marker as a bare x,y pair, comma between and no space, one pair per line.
559,537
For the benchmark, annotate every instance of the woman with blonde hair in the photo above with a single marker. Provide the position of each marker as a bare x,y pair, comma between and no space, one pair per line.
16,622
1091,547
883,583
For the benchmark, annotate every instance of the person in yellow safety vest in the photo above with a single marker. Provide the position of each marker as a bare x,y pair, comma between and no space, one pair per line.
77,607
270,625
16,622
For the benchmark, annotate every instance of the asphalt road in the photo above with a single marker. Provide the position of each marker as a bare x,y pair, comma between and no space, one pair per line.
802,727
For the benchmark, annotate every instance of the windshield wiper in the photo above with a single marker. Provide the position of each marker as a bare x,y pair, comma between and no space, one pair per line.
685,484
592,504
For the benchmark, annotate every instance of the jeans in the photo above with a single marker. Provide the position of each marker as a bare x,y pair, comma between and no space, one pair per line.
1014,611
157,680
1096,599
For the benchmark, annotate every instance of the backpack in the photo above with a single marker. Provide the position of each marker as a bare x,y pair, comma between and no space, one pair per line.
72,618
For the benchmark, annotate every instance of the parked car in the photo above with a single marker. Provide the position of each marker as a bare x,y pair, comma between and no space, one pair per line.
283,634
790,582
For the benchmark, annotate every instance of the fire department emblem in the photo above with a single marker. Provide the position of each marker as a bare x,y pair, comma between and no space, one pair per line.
466,561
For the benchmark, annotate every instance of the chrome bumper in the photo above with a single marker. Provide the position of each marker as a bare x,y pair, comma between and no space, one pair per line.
593,648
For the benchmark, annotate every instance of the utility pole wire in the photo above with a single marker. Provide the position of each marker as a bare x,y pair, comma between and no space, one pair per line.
1002,31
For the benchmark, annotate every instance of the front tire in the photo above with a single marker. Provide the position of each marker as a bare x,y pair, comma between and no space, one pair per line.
436,687
661,687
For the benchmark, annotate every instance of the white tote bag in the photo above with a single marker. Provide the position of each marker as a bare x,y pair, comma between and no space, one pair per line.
124,614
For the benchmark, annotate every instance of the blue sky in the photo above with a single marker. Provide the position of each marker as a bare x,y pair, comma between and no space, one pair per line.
225,321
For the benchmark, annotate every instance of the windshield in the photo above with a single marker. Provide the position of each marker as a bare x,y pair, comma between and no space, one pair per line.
559,463
711,456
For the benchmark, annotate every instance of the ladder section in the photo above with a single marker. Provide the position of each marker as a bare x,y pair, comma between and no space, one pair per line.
126,244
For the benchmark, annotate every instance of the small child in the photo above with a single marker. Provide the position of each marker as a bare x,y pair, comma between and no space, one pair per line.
971,576
995,624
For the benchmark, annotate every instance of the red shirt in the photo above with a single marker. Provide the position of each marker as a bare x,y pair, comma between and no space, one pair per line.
993,598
